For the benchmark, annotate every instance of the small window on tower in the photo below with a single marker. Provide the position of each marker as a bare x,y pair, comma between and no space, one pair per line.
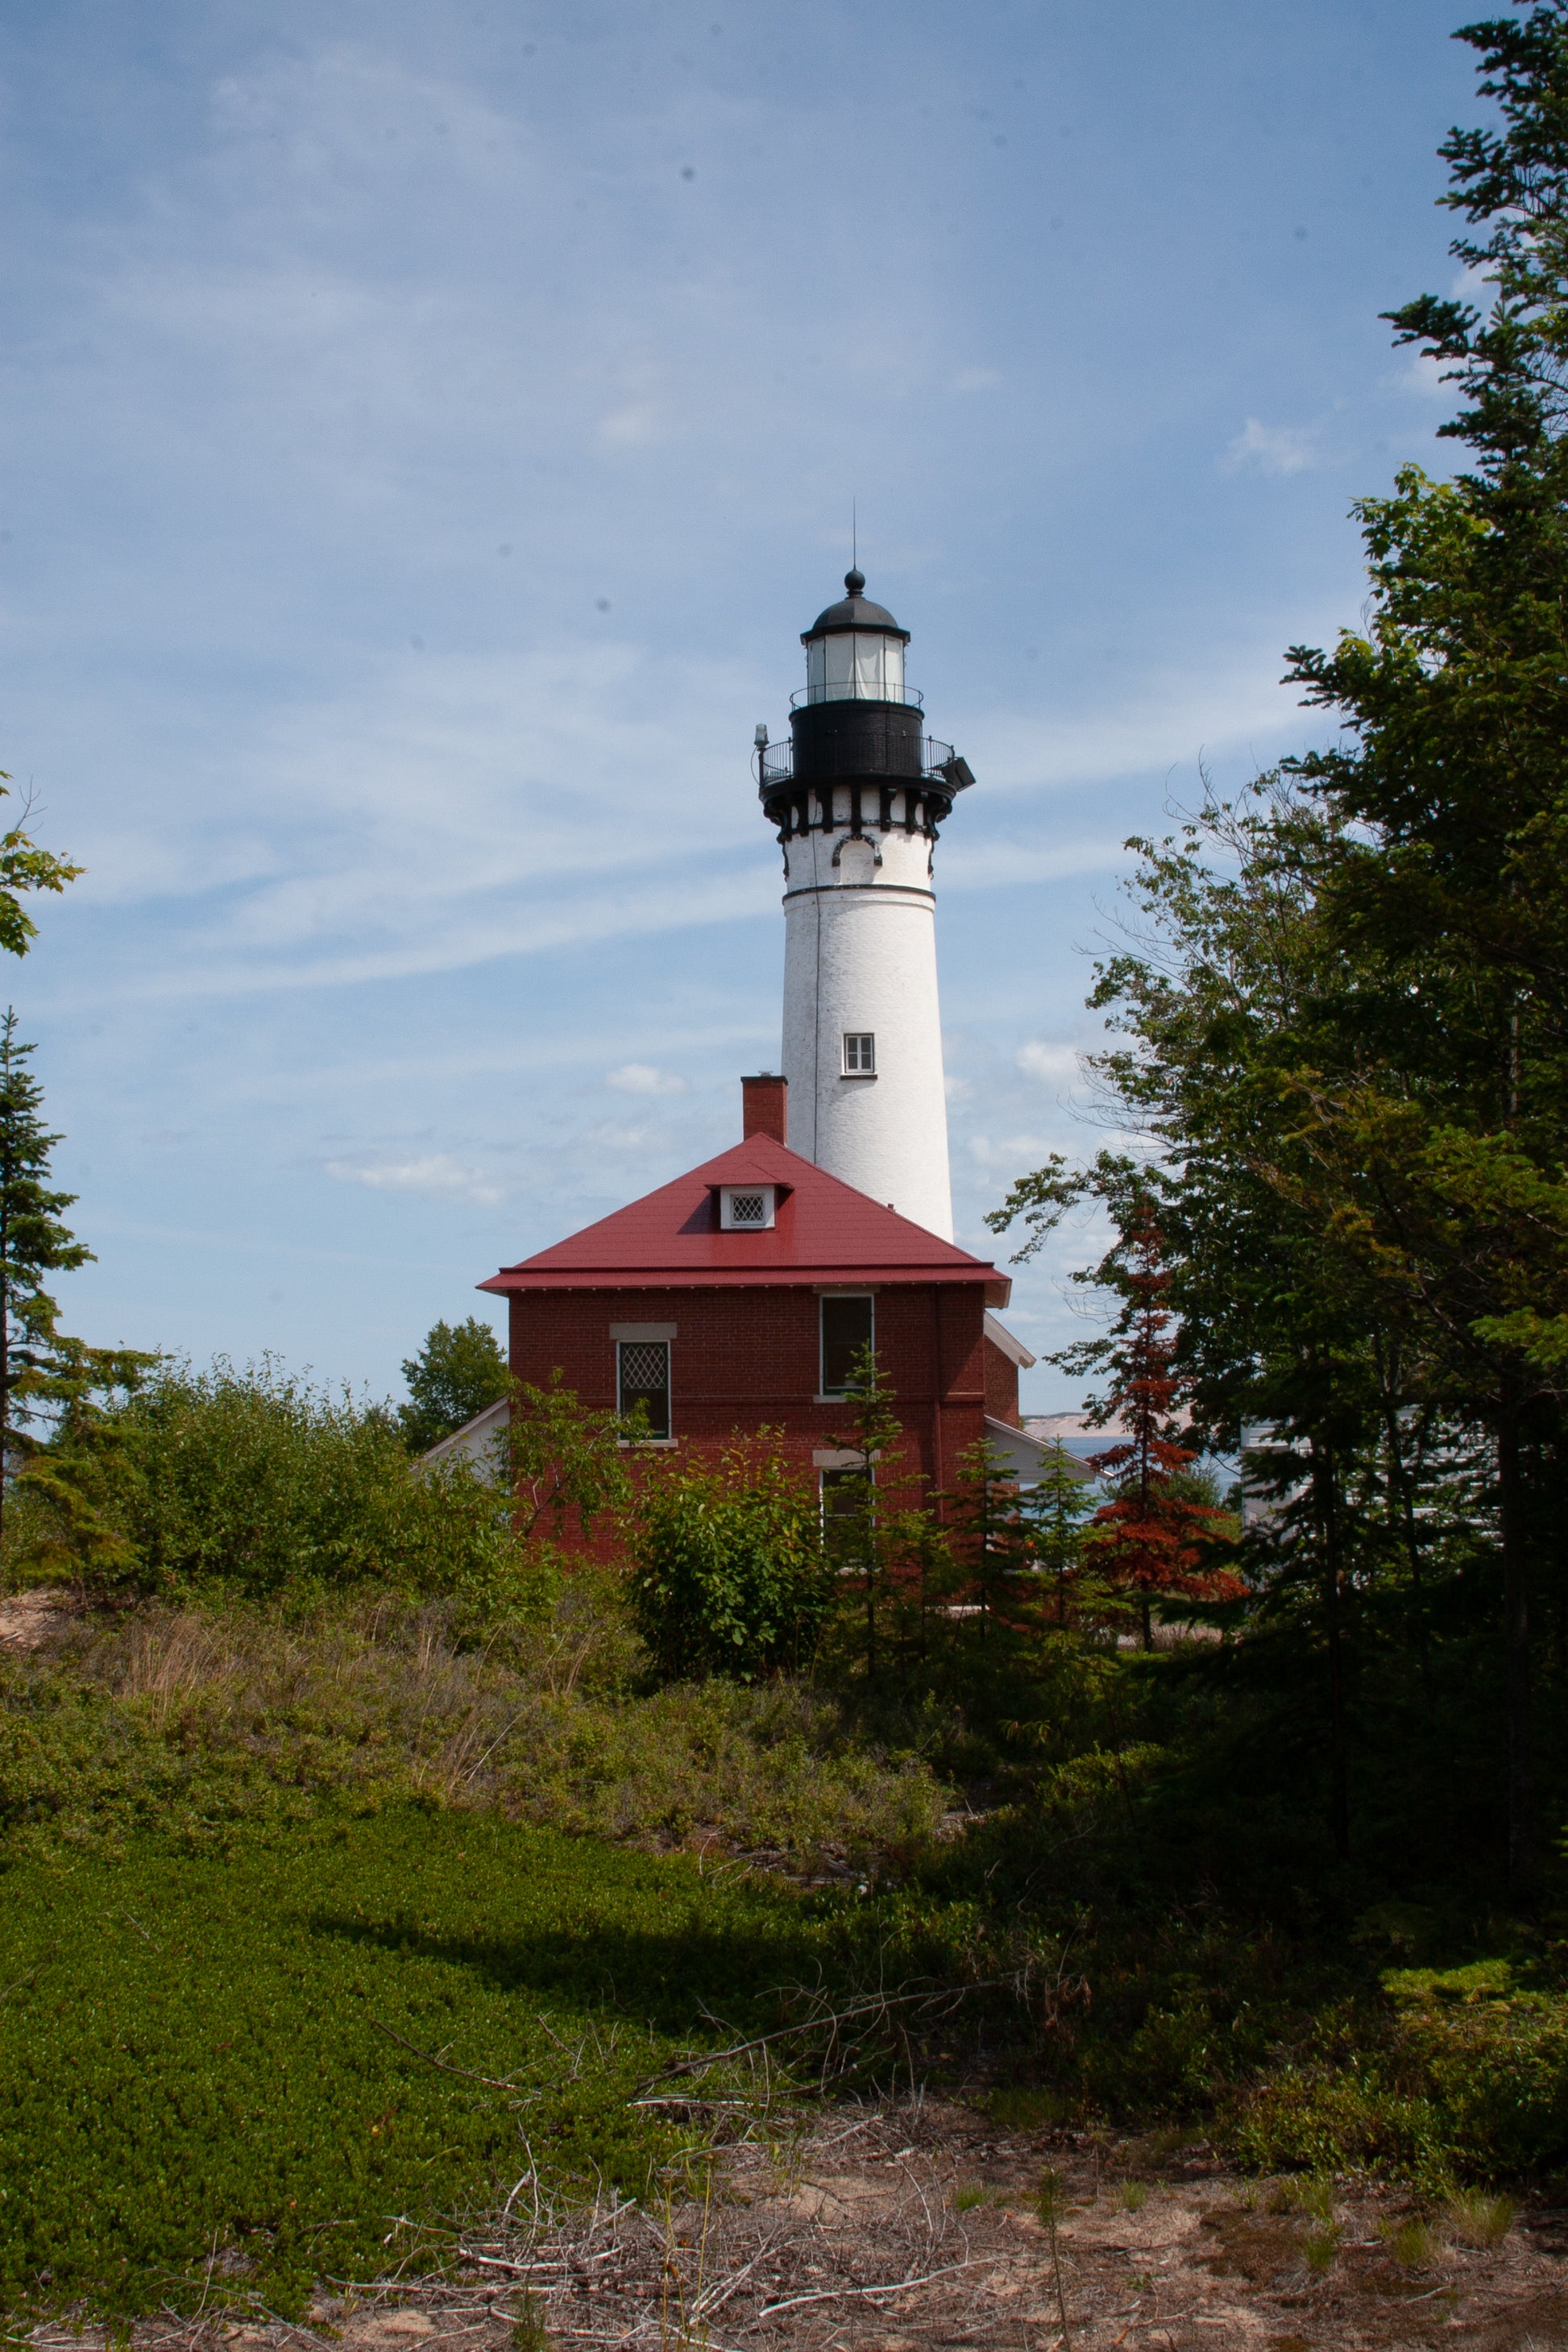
859,1053
642,1369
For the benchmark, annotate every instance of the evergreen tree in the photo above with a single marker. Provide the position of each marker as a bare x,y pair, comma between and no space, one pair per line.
1281,1329
867,1535
458,1372
1356,1064
34,1359
1053,1512
1151,1537
1449,788
988,1530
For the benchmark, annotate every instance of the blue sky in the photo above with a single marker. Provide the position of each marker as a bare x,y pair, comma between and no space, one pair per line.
428,428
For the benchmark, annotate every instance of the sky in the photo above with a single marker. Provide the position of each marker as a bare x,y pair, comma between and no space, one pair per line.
428,428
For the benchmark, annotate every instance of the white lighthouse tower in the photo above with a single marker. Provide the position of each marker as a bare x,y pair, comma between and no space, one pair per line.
857,795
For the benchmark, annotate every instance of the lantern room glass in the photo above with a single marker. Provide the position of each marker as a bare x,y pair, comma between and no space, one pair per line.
855,666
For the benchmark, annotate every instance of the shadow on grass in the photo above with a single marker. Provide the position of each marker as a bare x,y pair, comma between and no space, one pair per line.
672,1982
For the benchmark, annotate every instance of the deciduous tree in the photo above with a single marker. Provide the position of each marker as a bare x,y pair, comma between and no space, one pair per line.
458,1372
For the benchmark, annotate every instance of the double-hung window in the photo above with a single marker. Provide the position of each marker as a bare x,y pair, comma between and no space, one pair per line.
848,1329
845,1498
642,1378
859,1053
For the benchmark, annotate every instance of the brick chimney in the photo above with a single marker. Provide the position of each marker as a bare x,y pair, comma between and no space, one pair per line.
764,1107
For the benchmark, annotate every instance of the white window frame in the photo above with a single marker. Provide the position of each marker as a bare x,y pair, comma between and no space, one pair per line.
829,1298
727,1221
862,1040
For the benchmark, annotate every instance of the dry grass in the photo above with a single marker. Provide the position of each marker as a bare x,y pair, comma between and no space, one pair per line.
1476,2219
548,1726
1410,2240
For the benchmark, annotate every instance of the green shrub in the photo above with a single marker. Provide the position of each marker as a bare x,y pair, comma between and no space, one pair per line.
1493,2061
259,1482
728,1571
1459,2080
1328,2119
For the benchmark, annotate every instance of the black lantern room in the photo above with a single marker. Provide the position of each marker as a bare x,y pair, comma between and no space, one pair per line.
856,722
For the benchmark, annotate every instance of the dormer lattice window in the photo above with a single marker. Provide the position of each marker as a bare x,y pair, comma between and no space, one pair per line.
746,1208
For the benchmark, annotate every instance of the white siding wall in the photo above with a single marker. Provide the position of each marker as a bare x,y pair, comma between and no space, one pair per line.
860,954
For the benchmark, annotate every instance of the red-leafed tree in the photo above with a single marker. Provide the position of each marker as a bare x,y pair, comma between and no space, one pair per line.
1153,1536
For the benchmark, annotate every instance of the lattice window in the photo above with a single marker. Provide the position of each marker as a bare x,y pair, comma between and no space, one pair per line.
644,1379
859,1053
746,1208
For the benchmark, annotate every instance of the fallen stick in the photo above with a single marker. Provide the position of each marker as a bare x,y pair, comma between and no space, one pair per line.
492,2082
894,2286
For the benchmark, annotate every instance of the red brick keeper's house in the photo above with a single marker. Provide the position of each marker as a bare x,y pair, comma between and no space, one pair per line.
737,1297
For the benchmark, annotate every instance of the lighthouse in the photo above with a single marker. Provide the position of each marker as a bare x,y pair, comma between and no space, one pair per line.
741,1295
857,795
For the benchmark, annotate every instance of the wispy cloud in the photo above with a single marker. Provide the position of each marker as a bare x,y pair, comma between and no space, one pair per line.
1261,449
1016,1153
1039,1059
433,1173
1428,378
643,1079
1161,718
419,483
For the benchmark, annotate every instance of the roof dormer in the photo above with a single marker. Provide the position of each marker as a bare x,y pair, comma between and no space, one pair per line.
747,1208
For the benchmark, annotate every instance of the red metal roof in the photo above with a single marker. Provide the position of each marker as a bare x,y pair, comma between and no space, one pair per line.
824,1231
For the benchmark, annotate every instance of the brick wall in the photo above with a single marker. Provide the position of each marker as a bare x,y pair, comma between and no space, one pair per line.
743,1359
1001,1385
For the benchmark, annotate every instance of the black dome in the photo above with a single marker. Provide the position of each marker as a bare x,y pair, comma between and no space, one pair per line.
853,612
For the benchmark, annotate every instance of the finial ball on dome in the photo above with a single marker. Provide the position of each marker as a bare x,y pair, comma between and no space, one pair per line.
854,581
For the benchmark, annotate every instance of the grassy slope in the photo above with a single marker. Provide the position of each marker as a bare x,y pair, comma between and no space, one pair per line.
192,2056
235,1845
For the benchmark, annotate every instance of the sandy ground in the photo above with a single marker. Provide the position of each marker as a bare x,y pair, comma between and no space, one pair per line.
27,1619
896,2230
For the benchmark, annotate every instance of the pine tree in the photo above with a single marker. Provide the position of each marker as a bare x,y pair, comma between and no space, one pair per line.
985,1515
34,1359
1150,1538
1053,1512
865,1534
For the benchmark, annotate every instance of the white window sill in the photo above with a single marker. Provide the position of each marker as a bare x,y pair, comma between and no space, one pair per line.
858,1073
647,1444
